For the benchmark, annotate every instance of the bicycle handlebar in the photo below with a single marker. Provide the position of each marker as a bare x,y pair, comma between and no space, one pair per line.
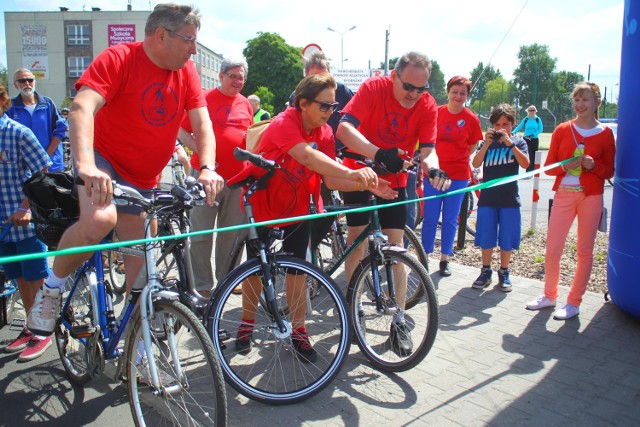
256,159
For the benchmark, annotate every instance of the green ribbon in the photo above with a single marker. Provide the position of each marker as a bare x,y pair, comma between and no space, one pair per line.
112,245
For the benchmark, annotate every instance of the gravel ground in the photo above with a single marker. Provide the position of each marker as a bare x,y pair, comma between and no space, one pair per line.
529,260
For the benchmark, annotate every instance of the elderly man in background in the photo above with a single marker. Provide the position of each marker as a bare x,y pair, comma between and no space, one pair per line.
40,114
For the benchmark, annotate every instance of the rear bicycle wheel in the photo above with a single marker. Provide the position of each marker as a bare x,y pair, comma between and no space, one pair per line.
271,371
115,267
191,388
472,214
73,332
372,325
414,248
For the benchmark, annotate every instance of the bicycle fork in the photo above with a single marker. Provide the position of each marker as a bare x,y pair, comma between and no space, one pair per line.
385,304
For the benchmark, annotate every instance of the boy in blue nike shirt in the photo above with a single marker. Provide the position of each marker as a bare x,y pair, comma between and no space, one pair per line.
499,221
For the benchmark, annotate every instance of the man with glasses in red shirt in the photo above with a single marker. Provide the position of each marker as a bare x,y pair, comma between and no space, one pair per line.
231,114
123,126
383,122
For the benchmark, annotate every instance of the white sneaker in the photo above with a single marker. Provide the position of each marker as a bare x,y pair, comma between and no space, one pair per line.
42,317
540,302
566,312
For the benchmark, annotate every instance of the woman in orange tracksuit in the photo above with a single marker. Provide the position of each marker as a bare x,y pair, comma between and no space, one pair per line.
579,186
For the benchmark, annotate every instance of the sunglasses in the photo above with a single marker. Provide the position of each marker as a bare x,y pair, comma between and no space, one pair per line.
23,81
324,106
595,88
410,88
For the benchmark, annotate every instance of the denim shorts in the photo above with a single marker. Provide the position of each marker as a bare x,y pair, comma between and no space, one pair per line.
498,225
30,269
104,165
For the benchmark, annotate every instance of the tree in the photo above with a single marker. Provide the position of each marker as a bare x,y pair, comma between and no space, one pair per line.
534,75
4,77
559,98
437,85
480,76
496,91
273,64
266,99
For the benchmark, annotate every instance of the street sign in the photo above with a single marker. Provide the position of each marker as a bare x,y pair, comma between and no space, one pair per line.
351,78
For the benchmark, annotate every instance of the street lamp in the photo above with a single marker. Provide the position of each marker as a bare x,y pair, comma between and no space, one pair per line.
342,33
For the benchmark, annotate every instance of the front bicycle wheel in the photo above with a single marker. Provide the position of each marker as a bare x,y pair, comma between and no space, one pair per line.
373,317
115,268
73,332
190,389
270,370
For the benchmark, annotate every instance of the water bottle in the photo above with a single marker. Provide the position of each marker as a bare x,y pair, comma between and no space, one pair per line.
579,151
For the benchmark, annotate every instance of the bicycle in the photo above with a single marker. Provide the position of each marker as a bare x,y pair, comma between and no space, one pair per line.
271,371
371,297
172,373
10,303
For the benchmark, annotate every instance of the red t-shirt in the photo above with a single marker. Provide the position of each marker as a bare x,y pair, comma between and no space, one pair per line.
287,193
231,116
456,132
136,129
387,124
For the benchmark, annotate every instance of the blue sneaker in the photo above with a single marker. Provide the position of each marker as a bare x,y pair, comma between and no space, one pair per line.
484,279
504,281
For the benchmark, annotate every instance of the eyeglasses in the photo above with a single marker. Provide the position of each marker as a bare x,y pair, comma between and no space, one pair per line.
595,88
236,77
410,88
188,39
23,81
324,106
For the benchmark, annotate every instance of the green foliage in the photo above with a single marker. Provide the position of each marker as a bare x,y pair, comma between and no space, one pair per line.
534,75
480,76
496,91
4,76
272,64
538,259
66,103
531,232
559,99
437,84
266,98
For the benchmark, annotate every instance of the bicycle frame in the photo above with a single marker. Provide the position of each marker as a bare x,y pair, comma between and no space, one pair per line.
103,315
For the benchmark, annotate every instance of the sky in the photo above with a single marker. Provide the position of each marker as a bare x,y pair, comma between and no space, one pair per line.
459,35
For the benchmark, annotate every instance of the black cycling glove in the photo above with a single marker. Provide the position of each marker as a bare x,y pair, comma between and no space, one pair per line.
437,173
389,158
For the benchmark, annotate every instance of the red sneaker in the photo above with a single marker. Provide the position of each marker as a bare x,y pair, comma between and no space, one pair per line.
35,348
19,343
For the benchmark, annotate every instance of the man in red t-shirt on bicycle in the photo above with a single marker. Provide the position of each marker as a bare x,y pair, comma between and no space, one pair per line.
383,121
123,126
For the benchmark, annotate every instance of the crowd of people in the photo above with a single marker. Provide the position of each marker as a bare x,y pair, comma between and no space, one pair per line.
320,140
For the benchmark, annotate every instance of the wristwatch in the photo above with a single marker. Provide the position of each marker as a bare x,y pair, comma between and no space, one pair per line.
208,167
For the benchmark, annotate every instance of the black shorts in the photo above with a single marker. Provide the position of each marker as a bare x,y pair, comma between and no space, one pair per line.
394,217
295,241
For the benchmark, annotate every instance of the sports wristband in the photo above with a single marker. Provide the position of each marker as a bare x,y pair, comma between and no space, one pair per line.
24,210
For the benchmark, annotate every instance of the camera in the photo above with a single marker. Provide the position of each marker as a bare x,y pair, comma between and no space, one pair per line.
497,136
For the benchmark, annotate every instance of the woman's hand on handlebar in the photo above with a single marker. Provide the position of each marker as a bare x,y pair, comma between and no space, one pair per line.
212,184
97,185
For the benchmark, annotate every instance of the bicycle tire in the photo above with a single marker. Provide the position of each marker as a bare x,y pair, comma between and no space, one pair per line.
372,326
270,372
197,396
472,214
115,268
414,248
73,351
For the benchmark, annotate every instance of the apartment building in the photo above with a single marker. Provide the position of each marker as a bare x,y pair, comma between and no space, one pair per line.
57,46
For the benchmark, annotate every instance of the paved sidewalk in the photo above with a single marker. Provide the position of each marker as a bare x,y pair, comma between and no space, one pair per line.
493,363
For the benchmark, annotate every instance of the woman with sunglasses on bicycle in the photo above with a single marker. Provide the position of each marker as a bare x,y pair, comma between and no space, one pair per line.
579,187
302,143
458,134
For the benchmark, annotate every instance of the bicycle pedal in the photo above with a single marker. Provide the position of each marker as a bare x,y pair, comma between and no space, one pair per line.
223,335
82,331
17,324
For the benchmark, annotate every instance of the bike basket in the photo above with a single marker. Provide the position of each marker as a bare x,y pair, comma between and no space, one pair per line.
54,205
